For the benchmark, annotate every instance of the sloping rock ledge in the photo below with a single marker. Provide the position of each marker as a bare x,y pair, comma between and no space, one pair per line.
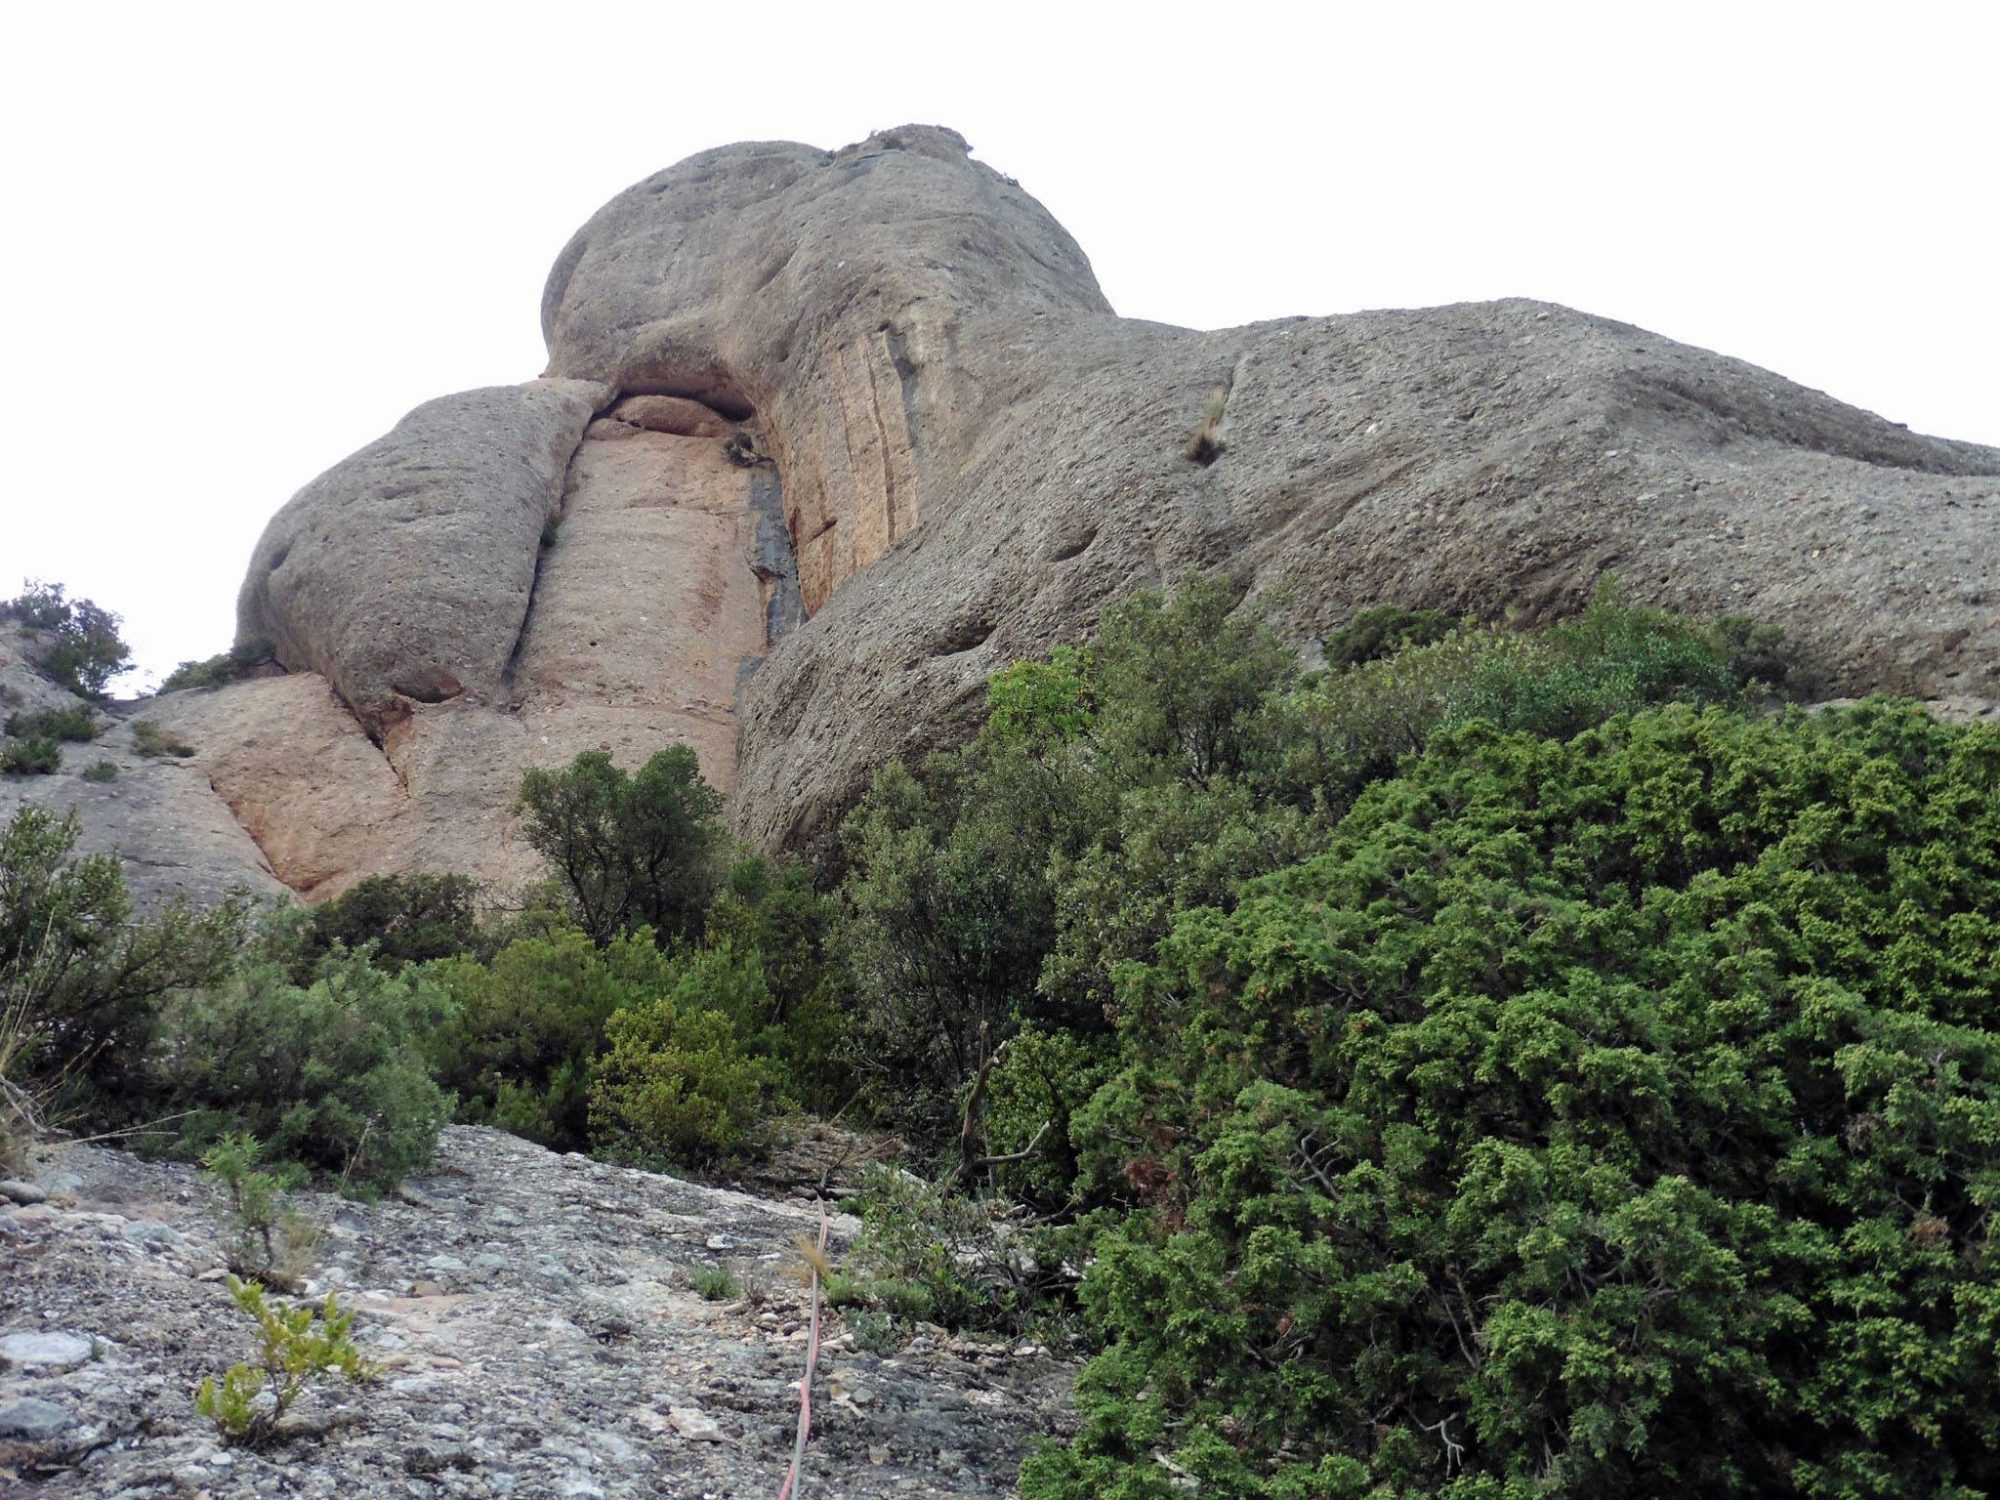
538,1329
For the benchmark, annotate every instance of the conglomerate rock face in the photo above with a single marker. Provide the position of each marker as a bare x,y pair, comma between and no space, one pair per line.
827,437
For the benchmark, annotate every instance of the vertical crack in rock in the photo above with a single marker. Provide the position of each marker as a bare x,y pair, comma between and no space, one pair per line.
565,483
885,368
773,560
906,376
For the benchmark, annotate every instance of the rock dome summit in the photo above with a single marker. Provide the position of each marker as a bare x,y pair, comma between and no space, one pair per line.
825,437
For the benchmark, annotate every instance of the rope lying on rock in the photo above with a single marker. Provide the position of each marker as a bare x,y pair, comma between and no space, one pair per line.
817,1264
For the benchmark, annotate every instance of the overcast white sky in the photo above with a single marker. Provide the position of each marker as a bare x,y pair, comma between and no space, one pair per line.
240,241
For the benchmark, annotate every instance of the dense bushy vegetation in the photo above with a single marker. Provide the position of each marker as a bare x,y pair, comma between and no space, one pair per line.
1487,1065
78,643
213,672
632,849
1600,1115
341,1039
1510,1065
34,741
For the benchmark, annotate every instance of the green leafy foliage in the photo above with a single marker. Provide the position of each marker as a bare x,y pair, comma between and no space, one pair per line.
1595,1116
1383,631
295,1348
677,1082
406,918
770,912
237,662
270,1240
1042,701
1039,1083
331,1074
72,724
83,972
635,849
101,772
716,1283
526,1029
34,755
926,1254
78,646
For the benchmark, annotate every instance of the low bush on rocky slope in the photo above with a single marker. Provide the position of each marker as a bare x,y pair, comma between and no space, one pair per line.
296,1347
77,644
181,1026
1510,1065
215,671
72,724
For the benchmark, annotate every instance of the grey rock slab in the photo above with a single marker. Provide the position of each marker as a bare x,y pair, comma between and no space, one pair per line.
31,1419
49,1353
694,1424
547,1384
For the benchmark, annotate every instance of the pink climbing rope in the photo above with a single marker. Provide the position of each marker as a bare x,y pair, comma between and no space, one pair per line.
817,1263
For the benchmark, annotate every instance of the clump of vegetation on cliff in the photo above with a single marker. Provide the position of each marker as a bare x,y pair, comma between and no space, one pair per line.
76,643
212,672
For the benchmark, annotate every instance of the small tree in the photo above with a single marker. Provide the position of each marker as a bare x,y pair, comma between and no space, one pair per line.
633,850
83,650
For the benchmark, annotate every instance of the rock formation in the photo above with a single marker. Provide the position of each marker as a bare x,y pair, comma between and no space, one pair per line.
826,437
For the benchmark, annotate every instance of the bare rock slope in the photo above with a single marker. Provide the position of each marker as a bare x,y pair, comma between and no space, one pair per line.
158,813
537,1329
826,437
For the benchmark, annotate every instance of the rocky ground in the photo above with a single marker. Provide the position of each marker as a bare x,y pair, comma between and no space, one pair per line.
537,1331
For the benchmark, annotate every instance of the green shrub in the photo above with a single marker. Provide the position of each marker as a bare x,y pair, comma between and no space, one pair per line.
269,1239
73,724
770,914
84,972
716,1284
79,648
39,606
406,918
101,772
295,1348
1610,1116
331,1074
1383,631
950,913
527,1028
632,850
151,741
1352,728
1039,1083
37,755
237,662
1185,684
1042,701
929,1255
676,1083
